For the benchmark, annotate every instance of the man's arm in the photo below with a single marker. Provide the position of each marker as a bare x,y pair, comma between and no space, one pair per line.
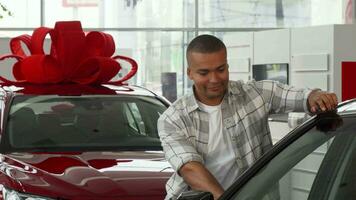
199,178
183,156
283,98
177,148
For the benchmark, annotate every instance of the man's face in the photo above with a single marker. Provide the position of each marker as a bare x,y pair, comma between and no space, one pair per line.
209,72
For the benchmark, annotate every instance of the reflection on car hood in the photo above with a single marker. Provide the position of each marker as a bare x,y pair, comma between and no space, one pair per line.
89,174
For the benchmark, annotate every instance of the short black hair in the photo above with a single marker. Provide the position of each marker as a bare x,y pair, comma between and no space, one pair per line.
205,44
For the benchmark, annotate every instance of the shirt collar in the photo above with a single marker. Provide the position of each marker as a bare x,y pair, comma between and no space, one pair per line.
192,103
234,88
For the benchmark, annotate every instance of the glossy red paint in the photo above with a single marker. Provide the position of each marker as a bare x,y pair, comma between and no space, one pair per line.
89,175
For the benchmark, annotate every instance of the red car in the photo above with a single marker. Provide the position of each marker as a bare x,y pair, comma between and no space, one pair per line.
81,142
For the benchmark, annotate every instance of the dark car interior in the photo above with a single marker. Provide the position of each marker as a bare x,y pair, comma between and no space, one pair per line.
84,122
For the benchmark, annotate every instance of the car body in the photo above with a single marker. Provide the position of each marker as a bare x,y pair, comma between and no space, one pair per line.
314,161
74,141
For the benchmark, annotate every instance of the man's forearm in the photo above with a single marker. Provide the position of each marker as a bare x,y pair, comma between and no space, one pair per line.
199,178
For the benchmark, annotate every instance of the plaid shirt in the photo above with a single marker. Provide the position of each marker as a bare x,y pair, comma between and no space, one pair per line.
184,128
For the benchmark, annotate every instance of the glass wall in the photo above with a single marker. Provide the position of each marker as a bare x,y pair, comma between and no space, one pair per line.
122,13
156,32
269,13
157,53
24,14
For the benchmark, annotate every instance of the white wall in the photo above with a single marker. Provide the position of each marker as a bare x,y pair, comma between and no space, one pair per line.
240,54
271,46
314,54
312,57
320,12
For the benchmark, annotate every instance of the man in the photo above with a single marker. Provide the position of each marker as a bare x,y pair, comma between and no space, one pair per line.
212,135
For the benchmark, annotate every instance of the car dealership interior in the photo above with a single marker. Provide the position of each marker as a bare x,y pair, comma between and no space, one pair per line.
303,43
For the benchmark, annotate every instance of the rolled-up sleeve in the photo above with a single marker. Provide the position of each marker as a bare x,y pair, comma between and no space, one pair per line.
177,148
283,98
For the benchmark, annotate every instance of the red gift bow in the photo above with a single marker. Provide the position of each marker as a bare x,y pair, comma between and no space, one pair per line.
74,57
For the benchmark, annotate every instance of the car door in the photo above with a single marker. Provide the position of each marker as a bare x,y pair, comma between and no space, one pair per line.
311,163
336,175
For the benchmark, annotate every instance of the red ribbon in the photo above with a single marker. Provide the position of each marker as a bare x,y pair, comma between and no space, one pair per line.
74,57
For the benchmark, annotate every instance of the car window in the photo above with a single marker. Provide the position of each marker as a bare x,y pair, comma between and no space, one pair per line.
134,118
318,165
89,122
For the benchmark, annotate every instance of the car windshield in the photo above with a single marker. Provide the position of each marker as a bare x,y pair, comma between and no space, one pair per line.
318,165
88,122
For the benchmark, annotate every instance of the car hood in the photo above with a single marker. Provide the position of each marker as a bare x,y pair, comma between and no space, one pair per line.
89,174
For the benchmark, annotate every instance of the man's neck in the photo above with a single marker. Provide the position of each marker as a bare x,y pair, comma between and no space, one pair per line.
211,102
208,101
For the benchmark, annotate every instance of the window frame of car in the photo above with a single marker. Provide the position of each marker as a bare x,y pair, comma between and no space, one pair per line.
2,107
266,158
334,164
278,148
6,101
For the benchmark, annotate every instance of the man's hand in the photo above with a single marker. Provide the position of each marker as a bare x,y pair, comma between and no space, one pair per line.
320,101
199,178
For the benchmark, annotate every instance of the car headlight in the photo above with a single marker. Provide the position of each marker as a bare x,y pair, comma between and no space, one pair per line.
9,194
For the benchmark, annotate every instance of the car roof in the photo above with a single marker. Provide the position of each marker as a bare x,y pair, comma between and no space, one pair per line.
72,89
348,106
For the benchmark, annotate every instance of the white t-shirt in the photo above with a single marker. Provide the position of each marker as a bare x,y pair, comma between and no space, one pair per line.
220,160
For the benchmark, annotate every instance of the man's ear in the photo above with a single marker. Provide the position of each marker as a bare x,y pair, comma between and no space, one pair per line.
189,73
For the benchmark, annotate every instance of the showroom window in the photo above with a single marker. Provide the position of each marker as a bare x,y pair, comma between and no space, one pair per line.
156,32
